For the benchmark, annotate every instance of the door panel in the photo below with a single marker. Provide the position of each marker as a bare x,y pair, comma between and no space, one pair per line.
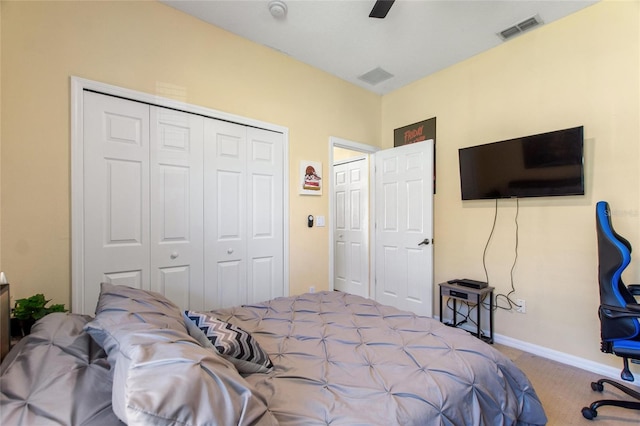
172,282
244,216
128,278
115,193
351,249
404,210
265,226
225,214
177,259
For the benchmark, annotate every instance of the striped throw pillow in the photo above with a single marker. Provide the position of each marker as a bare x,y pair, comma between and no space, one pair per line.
231,342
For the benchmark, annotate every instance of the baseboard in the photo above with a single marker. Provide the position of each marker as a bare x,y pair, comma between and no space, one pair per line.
564,358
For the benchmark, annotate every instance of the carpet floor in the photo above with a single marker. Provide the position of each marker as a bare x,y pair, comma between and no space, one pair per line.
564,390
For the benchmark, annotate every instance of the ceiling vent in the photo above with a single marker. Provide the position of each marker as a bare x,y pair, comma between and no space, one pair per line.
375,76
521,27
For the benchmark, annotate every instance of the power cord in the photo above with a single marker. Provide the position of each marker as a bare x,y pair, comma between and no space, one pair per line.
486,246
506,297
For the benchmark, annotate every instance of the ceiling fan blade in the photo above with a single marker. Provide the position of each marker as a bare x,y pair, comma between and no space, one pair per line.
381,8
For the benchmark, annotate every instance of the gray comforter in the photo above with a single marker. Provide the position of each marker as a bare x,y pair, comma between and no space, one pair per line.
342,359
338,359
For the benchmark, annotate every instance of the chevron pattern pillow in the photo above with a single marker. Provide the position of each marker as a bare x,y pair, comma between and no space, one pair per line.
231,342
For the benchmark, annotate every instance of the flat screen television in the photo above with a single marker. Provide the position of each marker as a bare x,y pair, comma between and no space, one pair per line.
543,165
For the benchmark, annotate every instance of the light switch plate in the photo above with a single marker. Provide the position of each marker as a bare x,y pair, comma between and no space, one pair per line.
319,220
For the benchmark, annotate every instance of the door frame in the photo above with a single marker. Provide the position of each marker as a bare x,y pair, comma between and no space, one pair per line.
368,150
78,86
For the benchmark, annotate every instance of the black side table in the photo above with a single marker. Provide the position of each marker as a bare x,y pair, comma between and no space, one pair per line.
469,295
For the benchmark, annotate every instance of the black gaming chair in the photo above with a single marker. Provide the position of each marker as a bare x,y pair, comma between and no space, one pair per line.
619,311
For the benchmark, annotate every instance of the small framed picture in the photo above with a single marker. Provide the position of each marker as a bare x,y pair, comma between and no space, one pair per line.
310,178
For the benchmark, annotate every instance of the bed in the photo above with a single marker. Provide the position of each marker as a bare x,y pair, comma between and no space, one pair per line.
326,358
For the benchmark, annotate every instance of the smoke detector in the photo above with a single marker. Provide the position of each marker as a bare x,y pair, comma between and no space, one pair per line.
278,9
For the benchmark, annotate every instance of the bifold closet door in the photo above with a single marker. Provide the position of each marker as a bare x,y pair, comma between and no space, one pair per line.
181,204
243,214
143,200
177,240
116,195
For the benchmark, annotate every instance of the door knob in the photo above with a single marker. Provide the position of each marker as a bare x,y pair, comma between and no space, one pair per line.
424,242
174,255
230,250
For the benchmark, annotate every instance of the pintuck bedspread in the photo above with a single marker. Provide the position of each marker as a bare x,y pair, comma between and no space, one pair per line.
328,358
343,359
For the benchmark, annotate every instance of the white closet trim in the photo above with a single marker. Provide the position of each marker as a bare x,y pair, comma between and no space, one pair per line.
78,86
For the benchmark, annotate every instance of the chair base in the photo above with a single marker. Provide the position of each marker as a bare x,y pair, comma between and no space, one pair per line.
591,412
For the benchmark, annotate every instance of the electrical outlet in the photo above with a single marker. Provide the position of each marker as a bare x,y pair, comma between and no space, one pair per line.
522,306
312,289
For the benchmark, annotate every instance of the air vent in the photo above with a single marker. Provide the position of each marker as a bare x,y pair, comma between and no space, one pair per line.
521,27
375,76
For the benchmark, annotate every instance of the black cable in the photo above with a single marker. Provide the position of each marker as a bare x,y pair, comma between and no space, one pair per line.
465,317
486,246
513,266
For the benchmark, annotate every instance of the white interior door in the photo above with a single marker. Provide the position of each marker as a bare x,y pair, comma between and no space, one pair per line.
351,250
116,195
177,234
404,227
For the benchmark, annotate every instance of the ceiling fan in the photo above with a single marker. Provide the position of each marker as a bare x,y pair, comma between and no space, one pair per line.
381,8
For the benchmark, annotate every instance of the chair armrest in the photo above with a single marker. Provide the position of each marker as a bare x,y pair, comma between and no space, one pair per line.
632,310
634,289
634,307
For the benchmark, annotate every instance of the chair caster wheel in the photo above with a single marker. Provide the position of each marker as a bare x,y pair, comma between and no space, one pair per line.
597,386
589,413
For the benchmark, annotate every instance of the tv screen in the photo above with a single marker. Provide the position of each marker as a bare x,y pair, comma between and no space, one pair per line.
548,164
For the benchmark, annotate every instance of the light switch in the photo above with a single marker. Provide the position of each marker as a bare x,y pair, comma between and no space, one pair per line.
319,220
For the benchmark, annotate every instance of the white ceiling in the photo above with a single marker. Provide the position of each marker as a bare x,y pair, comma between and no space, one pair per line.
417,38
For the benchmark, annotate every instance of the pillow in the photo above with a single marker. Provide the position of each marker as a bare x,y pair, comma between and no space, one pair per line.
164,382
162,375
121,307
231,342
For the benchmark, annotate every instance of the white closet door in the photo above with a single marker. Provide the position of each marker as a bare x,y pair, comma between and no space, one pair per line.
177,259
116,188
265,168
225,213
243,214
188,206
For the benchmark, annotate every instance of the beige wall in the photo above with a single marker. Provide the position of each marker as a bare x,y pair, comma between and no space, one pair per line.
344,154
152,48
583,70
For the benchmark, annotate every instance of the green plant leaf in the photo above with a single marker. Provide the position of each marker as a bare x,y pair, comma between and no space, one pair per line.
34,307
